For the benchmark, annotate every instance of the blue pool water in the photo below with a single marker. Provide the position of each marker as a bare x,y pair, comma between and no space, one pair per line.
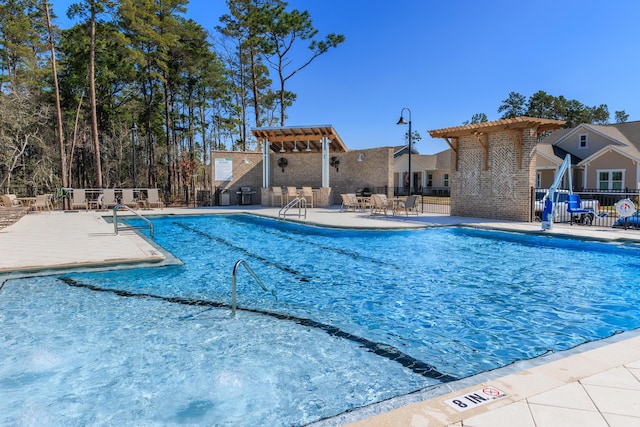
356,317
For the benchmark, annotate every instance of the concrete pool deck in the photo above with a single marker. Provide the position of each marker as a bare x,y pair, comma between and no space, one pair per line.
597,384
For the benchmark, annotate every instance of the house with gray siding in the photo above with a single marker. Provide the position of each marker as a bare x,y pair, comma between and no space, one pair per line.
603,157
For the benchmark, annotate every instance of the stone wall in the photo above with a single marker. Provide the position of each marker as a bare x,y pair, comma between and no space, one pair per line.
305,170
503,190
245,174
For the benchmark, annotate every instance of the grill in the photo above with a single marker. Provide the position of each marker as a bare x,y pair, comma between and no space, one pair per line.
245,194
363,192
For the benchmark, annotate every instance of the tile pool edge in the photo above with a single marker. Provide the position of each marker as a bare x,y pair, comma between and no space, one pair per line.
555,369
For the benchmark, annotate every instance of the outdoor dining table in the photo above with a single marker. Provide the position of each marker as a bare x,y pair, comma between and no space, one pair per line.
363,202
26,201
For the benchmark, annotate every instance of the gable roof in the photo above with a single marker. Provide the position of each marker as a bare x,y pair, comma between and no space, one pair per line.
624,137
609,132
402,150
432,162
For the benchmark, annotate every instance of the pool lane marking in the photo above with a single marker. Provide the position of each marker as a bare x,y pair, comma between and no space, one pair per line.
301,277
385,350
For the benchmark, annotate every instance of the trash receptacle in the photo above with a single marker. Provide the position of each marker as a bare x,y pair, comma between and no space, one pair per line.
224,197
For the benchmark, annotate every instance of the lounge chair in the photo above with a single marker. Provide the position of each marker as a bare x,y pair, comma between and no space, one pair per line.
153,199
128,199
410,205
79,199
307,193
348,202
108,199
277,195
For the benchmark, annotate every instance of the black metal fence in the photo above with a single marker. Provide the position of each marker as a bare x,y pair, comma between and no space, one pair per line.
603,202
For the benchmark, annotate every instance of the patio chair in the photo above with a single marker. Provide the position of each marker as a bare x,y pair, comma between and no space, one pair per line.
277,195
307,193
42,203
79,199
14,200
128,199
410,205
348,202
292,193
153,199
380,204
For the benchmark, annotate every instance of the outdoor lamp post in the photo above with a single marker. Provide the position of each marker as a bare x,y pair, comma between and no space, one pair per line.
134,129
403,122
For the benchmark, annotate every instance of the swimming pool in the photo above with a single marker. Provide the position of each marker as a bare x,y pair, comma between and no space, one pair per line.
357,317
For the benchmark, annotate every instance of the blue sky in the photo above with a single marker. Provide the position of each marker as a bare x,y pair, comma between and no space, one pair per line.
447,60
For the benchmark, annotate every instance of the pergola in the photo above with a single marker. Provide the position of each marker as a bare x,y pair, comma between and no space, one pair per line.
286,139
300,136
480,131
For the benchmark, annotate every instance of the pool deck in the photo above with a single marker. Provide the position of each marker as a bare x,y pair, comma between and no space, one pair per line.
597,384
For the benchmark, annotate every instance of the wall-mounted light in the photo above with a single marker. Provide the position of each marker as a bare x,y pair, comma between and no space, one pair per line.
335,162
295,147
282,162
308,149
282,150
245,161
361,157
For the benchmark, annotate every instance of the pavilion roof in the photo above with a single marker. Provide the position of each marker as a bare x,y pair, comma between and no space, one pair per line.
300,136
542,125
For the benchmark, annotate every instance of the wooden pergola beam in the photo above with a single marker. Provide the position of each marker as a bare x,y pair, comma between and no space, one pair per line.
516,136
485,146
454,147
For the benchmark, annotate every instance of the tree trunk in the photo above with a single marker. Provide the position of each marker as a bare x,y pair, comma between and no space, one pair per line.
92,95
63,156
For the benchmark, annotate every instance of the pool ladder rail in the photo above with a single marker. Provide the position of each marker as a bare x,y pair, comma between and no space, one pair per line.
233,283
300,202
115,220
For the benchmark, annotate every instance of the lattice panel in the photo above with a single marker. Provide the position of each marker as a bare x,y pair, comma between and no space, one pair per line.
504,159
470,162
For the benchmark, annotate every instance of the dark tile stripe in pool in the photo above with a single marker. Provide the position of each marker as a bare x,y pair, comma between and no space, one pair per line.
306,242
387,351
301,277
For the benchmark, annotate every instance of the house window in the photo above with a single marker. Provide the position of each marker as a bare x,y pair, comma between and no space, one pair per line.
446,179
429,180
610,179
538,180
584,138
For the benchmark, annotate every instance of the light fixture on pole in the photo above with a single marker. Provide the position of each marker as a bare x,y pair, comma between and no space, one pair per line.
295,147
403,122
134,129
282,150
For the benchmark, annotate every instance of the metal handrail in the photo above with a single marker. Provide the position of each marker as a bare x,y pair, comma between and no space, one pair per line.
115,218
300,201
233,283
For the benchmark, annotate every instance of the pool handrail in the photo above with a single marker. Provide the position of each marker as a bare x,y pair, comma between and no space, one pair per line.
233,283
300,201
115,218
